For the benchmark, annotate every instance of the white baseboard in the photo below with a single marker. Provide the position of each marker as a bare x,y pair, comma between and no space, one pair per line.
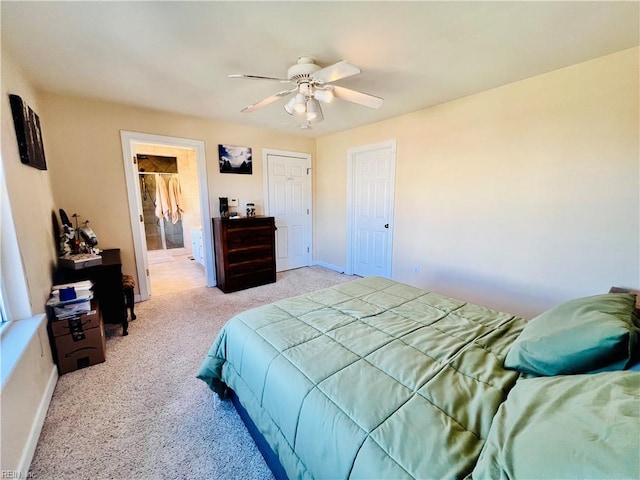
38,422
329,266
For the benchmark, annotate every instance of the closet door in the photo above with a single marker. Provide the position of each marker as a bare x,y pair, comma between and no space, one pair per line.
372,190
289,186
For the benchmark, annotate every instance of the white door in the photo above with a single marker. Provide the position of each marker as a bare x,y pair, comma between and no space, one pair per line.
289,201
372,187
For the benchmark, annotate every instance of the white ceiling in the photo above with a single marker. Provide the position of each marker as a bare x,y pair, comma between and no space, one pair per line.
175,56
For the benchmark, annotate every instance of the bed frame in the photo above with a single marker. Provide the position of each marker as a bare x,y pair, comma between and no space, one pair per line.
269,456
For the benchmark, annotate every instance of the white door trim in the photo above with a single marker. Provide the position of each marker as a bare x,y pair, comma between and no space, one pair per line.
129,140
351,189
309,200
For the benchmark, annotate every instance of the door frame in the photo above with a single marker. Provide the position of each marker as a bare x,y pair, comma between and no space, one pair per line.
129,141
351,200
309,197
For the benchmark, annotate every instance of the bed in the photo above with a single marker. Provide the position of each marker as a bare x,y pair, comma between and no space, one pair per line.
378,379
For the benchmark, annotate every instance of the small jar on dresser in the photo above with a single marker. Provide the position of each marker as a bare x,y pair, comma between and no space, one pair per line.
244,252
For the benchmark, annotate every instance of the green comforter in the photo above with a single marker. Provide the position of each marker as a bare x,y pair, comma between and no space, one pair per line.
369,379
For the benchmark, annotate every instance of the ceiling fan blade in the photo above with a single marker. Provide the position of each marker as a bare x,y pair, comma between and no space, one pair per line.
360,98
259,77
337,71
263,103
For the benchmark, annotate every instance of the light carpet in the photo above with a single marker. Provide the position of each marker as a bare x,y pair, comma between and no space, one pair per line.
142,414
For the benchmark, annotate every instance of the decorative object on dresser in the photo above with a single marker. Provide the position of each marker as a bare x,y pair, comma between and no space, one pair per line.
244,251
251,209
224,206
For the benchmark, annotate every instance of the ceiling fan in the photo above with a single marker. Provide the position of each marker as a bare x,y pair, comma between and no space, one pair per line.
312,85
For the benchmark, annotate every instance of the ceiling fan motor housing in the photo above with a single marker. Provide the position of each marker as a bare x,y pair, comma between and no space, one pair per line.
303,70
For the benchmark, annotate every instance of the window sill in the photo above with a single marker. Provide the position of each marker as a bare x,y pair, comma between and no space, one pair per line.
15,337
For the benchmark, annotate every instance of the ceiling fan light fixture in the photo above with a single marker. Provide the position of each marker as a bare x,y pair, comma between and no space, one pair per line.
314,112
289,106
300,104
324,95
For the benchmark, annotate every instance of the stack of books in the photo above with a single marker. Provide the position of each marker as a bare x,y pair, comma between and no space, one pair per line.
71,299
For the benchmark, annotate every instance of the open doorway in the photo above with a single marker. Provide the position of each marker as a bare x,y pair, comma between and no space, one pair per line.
172,239
169,191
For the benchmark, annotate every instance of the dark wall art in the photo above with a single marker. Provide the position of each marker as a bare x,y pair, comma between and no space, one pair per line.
235,159
29,135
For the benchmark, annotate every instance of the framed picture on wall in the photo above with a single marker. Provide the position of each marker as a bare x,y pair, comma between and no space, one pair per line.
28,132
235,159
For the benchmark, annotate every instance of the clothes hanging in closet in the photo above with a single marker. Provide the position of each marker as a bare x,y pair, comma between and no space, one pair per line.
162,198
175,199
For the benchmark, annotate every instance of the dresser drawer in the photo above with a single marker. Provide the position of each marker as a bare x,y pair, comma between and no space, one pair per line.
244,254
238,237
247,280
239,268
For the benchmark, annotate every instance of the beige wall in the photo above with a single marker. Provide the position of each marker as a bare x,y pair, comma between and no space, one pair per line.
29,190
85,157
29,257
517,198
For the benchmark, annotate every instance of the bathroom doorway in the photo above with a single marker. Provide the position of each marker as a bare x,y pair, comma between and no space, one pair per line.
162,207
179,254
169,193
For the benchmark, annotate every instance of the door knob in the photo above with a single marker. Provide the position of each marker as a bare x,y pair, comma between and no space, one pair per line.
386,225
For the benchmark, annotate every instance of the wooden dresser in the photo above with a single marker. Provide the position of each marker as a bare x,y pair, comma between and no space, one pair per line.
245,252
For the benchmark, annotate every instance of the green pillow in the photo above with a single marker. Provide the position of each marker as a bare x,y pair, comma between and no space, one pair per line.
565,427
584,335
